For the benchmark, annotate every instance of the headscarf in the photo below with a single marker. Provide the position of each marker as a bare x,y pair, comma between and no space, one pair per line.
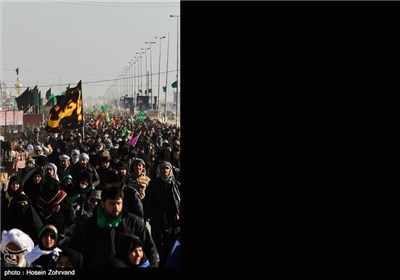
75,159
42,160
39,250
29,147
69,189
128,243
11,193
49,188
48,228
74,256
166,179
170,180
31,189
54,167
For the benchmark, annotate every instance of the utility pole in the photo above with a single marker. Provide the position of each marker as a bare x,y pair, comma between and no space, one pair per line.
151,77
166,83
177,65
159,75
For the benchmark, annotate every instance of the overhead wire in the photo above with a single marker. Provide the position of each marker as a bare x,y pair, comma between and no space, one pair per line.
120,4
94,82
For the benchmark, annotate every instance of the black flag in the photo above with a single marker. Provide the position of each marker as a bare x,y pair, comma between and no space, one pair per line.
68,112
24,100
17,70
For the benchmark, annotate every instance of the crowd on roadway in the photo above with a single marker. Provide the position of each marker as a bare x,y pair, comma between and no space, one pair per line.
108,195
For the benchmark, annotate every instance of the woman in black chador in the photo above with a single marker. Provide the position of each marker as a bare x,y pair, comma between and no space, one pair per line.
17,210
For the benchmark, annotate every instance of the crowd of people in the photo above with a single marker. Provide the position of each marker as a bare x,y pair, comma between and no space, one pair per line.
94,197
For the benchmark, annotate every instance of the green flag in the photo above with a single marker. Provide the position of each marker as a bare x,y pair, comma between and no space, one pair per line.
35,96
53,96
105,112
52,100
140,116
164,89
174,84
124,132
48,93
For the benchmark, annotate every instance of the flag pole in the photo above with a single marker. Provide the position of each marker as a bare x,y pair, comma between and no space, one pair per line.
5,117
83,127
83,118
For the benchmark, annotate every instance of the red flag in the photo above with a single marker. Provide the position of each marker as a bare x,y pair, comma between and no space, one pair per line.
97,123
134,140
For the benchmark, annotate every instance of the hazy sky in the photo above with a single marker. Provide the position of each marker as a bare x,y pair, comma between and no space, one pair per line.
61,42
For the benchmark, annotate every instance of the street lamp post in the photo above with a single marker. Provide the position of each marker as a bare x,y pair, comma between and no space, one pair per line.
137,74
137,80
166,83
141,67
120,90
133,79
126,72
159,75
151,76
131,66
147,74
127,79
124,87
177,63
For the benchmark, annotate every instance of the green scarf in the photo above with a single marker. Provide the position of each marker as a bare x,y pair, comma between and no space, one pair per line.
73,198
102,219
